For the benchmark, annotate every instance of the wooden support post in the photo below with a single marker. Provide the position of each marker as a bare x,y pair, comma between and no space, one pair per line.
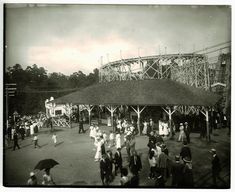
89,109
138,111
206,114
112,110
169,113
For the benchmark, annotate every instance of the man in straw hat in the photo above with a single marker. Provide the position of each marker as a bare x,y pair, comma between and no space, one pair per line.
216,167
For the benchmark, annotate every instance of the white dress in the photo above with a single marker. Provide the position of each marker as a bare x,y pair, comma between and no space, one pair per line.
118,141
92,132
98,150
145,128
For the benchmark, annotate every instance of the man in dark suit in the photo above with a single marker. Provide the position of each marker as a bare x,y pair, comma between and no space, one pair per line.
177,172
185,151
135,164
15,139
216,168
152,141
104,169
80,126
118,160
187,131
110,165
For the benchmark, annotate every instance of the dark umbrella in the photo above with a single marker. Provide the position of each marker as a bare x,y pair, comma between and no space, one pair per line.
46,164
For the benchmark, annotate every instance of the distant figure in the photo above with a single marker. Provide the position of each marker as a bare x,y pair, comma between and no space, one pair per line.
47,178
177,172
32,180
118,160
81,129
92,131
187,131
216,168
15,140
144,132
185,151
152,141
54,138
111,139
181,134
98,144
35,141
118,140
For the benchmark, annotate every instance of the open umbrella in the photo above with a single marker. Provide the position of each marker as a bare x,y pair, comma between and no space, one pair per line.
46,164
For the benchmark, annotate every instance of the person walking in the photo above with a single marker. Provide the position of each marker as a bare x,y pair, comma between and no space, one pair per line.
118,160
35,141
81,129
152,141
177,172
152,164
216,168
98,145
15,140
110,164
185,151
181,134
104,170
111,139
135,164
54,138
162,164
187,131
118,140
32,181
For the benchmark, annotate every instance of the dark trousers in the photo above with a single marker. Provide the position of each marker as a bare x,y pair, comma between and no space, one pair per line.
104,178
16,145
152,172
36,144
117,167
81,130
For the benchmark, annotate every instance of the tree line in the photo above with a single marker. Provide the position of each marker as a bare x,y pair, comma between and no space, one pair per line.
34,85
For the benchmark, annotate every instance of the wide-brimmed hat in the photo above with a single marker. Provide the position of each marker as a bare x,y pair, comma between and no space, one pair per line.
186,123
187,160
32,174
177,158
181,123
212,150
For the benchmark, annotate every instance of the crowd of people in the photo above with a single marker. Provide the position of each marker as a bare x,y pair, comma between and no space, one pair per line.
162,167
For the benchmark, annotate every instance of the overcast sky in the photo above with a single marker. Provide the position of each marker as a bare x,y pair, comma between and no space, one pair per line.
69,38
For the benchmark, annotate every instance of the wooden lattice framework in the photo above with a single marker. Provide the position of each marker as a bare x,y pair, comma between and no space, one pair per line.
190,69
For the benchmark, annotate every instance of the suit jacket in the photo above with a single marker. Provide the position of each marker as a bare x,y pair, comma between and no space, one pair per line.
216,168
185,152
177,172
118,159
135,164
104,168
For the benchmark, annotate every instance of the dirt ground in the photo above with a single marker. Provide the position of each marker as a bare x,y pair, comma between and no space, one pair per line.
75,154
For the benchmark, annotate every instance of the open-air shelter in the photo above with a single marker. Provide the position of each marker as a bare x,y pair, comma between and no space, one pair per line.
141,93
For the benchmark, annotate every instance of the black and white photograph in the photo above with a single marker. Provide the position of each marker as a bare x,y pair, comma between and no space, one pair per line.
116,95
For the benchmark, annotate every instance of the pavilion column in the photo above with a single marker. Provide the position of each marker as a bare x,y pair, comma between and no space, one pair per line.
169,112
89,109
138,112
112,110
206,114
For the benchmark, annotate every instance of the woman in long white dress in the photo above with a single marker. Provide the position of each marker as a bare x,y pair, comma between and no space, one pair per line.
145,127
181,134
98,144
92,132
118,141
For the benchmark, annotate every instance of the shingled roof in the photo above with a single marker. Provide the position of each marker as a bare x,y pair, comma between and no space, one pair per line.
157,92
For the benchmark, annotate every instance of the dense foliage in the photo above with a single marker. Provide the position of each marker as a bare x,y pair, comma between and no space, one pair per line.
35,85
